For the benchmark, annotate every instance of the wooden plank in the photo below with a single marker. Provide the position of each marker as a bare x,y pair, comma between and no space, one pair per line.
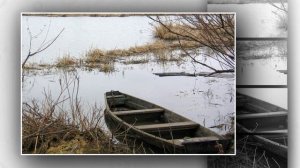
168,126
261,38
262,115
139,112
252,104
135,105
255,108
262,86
193,140
116,101
115,96
268,132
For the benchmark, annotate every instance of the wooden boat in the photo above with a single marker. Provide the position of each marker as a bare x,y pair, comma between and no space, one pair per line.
159,128
265,122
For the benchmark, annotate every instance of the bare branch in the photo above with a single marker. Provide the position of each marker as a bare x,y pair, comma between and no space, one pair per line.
215,31
42,47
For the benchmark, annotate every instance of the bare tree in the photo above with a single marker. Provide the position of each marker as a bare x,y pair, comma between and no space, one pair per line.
282,13
215,31
43,46
280,5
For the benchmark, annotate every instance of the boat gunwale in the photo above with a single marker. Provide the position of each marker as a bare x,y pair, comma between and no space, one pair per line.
279,146
135,129
260,138
165,141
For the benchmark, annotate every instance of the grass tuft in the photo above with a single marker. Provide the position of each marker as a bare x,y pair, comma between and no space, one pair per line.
162,32
66,61
105,57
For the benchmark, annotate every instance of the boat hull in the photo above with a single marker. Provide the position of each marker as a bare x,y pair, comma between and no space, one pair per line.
265,123
146,128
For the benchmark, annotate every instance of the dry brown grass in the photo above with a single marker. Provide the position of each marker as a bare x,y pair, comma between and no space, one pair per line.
66,61
165,55
162,32
61,126
168,32
248,154
97,56
102,67
102,56
107,68
31,66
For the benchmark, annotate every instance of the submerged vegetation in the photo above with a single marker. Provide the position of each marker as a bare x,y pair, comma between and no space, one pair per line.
98,55
183,33
141,60
66,61
261,49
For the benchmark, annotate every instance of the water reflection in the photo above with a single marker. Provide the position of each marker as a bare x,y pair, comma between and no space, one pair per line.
202,99
259,61
207,100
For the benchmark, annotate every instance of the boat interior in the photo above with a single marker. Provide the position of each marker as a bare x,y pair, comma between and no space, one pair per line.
156,120
262,118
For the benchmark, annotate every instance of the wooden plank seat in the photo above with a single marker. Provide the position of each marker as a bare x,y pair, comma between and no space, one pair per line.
283,131
193,140
134,105
255,108
115,96
139,112
262,115
168,126
269,132
116,100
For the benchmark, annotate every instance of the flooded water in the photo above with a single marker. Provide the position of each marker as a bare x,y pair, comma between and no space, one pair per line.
209,101
259,63
254,20
83,33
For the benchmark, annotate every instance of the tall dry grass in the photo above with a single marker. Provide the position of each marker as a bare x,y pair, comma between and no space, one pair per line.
102,56
66,61
161,32
62,126
248,154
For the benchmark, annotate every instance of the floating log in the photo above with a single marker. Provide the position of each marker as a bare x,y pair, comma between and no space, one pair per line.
205,74
283,71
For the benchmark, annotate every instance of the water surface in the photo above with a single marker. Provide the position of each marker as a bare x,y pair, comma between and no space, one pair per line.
209,101
83,33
